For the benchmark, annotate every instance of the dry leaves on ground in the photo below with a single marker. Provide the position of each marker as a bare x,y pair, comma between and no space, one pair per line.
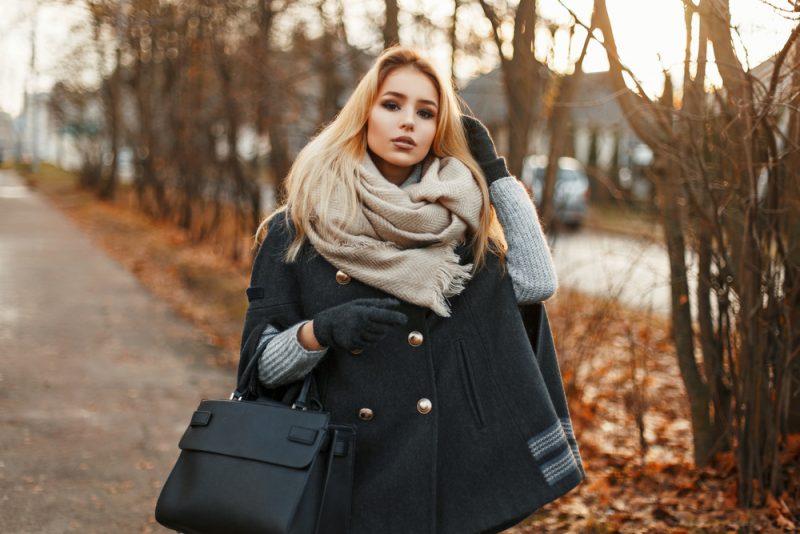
631,419
626,395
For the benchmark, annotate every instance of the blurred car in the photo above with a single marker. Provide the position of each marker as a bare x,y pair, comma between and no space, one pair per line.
571,195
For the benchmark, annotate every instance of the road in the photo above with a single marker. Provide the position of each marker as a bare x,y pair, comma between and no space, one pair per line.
97,379
634,270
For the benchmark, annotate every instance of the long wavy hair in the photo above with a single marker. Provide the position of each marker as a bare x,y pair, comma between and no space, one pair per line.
330,160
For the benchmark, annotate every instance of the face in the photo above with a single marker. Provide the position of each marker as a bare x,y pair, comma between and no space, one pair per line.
402,122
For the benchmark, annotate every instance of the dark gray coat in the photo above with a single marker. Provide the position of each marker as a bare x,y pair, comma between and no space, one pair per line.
497,443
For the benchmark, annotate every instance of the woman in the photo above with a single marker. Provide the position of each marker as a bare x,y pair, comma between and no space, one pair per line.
394,271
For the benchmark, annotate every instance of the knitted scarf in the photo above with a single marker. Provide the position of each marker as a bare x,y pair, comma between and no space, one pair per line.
402,241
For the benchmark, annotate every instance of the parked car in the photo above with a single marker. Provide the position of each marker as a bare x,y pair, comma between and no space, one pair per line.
571,195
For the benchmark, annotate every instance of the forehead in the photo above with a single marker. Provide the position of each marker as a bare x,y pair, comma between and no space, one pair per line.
411,83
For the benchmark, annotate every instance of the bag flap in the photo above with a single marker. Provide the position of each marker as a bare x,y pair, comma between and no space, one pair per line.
270,433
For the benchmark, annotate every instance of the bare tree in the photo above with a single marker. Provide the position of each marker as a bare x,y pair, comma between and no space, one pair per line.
72,111
328,66
559,124
520,72
105,22
391,28
722,181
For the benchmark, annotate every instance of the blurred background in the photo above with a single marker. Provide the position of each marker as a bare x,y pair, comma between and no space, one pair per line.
659,140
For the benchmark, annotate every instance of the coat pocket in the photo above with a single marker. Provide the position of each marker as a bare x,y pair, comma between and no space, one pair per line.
468,381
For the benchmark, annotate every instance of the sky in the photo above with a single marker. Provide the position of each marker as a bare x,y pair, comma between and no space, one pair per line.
649,33
53,38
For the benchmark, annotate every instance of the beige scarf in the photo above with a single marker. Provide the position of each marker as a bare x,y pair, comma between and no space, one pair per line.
402,241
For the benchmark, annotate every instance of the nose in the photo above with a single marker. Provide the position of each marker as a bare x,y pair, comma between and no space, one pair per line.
407,121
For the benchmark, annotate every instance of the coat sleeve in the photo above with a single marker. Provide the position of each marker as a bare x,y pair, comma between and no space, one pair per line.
537,326
273,299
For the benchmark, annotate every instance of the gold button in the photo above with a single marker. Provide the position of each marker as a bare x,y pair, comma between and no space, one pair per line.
415,339
356,352
365,414
342,277
424,405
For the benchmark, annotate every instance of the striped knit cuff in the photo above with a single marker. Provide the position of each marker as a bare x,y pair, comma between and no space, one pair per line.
530,263
573,443
282,359
554,453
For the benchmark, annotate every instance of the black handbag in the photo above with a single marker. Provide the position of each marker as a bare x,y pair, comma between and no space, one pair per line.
261,466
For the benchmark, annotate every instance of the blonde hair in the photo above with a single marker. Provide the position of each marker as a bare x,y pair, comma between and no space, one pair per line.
331,159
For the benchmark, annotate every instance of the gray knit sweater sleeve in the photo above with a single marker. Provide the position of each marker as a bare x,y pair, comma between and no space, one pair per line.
530,264
282,358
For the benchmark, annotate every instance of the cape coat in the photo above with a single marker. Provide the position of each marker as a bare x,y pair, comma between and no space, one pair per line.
461,422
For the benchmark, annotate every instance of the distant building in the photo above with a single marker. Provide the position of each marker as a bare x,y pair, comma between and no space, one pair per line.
763,76
486,97
35,122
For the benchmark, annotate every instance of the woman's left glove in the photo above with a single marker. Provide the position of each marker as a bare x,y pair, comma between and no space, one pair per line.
482,148
357,324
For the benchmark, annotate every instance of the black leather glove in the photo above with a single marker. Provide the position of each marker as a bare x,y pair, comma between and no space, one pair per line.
357,324
482,148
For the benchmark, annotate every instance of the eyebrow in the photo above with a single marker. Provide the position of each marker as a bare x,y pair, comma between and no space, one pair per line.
401,95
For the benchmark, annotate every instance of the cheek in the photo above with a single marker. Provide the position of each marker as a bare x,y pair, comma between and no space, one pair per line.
376,125
429,134
373,131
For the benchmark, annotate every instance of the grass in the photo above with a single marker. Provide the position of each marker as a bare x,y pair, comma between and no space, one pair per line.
620,219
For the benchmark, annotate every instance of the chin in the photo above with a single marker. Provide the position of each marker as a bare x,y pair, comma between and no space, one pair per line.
403,161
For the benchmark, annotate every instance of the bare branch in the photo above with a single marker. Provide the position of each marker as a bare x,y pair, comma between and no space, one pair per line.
494,19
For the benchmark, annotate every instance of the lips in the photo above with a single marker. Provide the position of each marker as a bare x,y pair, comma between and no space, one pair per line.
404,142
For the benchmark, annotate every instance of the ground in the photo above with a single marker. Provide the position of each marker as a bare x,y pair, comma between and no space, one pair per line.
98,378
626,395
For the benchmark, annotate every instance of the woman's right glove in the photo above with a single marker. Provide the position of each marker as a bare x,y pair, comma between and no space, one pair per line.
357,324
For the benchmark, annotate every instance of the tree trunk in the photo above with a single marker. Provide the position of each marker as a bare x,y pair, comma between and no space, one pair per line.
792,261
391,29
328,66
112,93
560,123
269,115
454,41
520,76
654,126
682,335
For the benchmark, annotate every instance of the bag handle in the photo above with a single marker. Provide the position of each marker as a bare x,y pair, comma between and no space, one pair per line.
302,398
244,383
300,402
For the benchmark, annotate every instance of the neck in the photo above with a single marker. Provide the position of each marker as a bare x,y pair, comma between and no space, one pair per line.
393,173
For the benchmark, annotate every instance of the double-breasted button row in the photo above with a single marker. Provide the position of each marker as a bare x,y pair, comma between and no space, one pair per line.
342,277
424,406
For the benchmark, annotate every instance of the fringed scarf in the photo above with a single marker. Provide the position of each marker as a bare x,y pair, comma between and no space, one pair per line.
402,241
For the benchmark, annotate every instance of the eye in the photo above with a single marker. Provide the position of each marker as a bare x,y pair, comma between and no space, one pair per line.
390,105
426,114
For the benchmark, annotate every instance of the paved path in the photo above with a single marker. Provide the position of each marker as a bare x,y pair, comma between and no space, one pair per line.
97,379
